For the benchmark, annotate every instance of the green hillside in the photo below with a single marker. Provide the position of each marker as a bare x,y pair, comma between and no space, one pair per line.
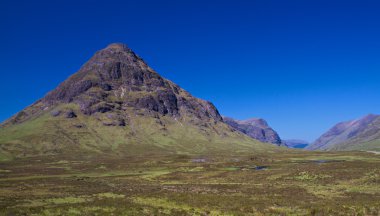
45,134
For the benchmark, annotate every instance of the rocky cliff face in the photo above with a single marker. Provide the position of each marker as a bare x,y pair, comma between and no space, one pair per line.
359,134
255,128
115,78
116,99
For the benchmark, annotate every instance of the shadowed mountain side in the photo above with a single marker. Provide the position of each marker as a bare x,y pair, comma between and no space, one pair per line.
255,128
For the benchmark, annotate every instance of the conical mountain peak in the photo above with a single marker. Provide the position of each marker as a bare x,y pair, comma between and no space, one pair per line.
117,103
115,53
118,47
116,79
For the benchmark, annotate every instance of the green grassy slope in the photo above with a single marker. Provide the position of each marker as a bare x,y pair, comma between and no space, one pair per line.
373,145
44,134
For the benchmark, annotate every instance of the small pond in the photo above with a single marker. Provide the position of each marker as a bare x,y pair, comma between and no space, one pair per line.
319,161
247,168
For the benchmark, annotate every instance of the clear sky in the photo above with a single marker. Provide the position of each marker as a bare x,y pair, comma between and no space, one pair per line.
301,65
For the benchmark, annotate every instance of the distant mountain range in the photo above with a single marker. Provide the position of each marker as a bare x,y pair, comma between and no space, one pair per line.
295,143
359,134
116,104
256,128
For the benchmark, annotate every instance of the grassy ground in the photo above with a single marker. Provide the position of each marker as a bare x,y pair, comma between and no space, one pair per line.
293,183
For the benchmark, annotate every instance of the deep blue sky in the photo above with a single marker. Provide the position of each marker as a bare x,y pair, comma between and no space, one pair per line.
301,65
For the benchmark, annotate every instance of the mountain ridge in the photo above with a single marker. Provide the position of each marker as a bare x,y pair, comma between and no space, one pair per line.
116,103
256,128
358,134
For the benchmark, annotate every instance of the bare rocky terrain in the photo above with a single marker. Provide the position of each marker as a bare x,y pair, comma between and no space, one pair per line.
256,128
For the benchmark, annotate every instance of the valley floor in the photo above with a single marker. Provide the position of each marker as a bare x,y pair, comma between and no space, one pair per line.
295,183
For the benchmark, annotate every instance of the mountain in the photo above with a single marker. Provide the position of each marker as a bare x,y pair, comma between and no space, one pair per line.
359,134
256,128
295,143
117,104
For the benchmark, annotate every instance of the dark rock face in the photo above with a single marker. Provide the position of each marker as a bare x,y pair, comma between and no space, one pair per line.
115,78
79,125
357,131
255,128
115,120
70,114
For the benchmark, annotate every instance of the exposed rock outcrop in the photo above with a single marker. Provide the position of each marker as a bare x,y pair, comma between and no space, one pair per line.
255,128
116,79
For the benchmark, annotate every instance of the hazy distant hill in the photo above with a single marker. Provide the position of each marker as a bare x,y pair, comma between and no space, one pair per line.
256,128
295,143
117,104
359,134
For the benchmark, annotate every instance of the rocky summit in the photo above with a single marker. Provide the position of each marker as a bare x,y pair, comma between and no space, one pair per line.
116,103
116,78
255,128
